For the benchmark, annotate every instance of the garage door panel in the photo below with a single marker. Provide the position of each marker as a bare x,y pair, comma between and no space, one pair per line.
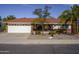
19,29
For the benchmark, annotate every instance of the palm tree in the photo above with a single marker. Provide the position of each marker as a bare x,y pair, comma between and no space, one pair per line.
71,15
75,16
65,16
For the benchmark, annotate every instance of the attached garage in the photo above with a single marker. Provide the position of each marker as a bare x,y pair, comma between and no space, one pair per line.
19,29
20,25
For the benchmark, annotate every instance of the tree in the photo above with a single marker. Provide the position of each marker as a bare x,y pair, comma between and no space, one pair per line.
2,25
65,16
71,15
0,18
10,17
0,21
75,16
46,12
42,15
38,12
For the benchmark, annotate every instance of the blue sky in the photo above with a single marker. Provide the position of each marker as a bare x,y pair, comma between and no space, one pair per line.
26,10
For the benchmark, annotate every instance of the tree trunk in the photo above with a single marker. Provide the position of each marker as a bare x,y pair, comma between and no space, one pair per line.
74,27
42,28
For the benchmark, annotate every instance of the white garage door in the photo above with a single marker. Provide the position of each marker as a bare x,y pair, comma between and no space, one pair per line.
19,29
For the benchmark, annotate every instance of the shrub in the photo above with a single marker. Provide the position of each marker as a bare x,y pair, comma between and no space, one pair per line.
4,28
52,33
38,32
61,31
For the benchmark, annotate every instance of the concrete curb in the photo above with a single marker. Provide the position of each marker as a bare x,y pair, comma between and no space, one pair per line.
41,42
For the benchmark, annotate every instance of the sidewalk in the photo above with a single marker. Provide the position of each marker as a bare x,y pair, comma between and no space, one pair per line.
52,41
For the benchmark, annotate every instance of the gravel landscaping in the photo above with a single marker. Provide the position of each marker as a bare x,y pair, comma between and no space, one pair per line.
24,38
57,36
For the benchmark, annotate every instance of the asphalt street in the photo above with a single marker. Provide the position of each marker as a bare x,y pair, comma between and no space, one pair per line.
39,49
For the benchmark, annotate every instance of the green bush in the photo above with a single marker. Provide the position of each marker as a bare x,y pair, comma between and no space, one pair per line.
52,33
38,32
59,31
4,28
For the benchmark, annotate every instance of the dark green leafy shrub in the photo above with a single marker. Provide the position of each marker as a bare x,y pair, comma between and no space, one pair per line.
59,31
52,33
38,32
4,28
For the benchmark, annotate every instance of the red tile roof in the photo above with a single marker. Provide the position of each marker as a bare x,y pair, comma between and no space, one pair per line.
21,20
51,20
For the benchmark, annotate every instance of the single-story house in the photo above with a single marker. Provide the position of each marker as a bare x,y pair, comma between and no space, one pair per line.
24,25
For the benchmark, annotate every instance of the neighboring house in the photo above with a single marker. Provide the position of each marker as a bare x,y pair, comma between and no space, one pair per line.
24,25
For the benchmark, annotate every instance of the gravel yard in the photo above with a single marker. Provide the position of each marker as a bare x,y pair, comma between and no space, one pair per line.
20,38
58,36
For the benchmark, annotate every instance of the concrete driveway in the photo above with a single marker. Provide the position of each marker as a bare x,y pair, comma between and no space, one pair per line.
24,38
14,35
